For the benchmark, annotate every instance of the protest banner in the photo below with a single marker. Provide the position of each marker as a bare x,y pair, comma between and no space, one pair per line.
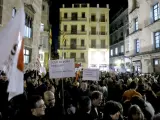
61,68
91,74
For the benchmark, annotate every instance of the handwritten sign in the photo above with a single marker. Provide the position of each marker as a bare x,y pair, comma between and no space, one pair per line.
61,68
91,74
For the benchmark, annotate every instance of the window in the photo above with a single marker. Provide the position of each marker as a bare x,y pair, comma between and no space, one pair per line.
73,29
28,26
74,16
157,40
82,28
83,15
116,51
137,46
65,15
103,44
14,12
41,56
73,55
136,24
82,55
26,56
1,8
111,52
65,43
64,55
122,48
102,19
93,30
127,32
65,28
156,62
103,30
93,43
42,27
93,17
73,43
43,7
156,12
82,43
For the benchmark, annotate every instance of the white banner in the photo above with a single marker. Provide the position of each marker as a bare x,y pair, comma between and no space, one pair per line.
91,74
61,68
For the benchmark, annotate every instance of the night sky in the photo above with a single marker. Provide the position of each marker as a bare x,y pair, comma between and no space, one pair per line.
115,6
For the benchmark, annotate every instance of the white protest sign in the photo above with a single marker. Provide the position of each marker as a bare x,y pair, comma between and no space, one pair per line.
91,74
61,68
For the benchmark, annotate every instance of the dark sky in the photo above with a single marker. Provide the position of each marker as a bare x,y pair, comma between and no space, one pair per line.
115,6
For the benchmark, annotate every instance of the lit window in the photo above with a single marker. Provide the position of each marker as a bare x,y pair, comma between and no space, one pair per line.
156,12
155,62
41,56
111,52
122,48
137,46
26,56
28,26
42,27
157,39
136,24
14,12
116,51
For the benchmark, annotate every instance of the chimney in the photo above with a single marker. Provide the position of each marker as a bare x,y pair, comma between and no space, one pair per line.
97,5
63,5
72,5
107,5
88,5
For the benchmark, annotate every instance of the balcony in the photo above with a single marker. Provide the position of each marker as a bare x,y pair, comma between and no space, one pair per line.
93,33
102,20
75,32
80,60
73,19
99,46
102,33
93,20
73,47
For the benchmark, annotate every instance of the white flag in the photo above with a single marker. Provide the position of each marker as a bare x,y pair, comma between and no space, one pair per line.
11,52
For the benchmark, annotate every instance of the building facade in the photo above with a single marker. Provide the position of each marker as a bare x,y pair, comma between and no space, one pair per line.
143,43
85,35
118,34
33,8
45,47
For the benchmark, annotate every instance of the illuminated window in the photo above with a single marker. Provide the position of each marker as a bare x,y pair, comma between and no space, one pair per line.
111,52
116,51
26,53
156,12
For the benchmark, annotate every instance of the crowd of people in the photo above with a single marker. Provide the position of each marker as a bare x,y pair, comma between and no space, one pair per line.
121,96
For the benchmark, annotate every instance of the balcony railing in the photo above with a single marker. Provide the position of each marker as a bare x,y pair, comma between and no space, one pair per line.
75,32
102,20
73,47
102,33
80,60
93,33
73,19
99,46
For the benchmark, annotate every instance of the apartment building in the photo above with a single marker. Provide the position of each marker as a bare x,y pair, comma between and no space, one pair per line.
85,35
119,30
8,9
143,44
44,46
